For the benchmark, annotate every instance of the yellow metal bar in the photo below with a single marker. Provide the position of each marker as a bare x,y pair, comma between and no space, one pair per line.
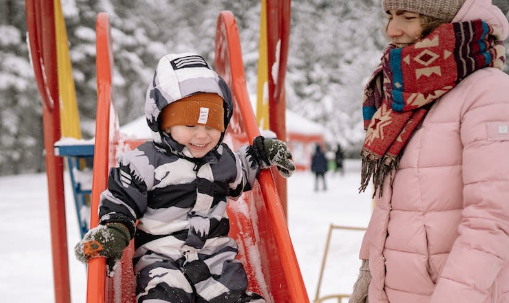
348,227
324,260
262,90
69,117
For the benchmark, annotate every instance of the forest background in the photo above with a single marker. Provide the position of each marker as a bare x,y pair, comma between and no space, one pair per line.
334,46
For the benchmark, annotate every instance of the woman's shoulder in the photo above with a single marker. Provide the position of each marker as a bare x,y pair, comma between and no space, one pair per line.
483,87
485,79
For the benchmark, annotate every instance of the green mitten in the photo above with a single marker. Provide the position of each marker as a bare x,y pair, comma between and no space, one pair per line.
361,286
271,152
106,241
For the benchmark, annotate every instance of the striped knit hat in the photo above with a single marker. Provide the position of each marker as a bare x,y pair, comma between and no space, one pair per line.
190,92
441,9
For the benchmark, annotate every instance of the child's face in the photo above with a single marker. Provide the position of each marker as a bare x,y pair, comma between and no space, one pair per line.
403,27
199,139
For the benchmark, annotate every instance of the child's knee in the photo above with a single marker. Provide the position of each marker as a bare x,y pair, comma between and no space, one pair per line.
165,282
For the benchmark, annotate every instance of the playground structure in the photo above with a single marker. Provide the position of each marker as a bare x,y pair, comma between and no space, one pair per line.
258,221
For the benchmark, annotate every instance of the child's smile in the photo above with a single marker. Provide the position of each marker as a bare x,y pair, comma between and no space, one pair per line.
199,139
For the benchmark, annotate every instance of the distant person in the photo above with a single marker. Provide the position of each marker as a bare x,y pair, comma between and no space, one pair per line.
436,114
319,166
177,187
339,156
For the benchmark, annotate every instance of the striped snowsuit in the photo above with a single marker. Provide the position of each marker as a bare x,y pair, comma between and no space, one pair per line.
181,207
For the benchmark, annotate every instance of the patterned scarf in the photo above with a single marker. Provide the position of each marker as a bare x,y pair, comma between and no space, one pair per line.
408,81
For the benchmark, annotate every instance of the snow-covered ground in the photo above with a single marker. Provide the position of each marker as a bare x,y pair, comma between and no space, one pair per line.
26,272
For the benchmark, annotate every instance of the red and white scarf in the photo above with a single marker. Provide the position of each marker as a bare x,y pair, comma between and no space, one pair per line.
409,80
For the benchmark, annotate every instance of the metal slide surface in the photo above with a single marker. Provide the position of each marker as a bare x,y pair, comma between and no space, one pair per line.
257,221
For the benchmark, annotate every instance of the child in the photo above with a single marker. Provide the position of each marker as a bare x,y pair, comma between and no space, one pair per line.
177,187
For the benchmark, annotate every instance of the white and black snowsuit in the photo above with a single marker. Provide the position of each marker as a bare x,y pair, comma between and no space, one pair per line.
182,249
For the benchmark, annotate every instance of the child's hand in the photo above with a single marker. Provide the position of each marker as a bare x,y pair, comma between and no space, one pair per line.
273,152
106,241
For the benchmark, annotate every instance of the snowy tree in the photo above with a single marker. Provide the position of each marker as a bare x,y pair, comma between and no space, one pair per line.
334,47
142,32
21,142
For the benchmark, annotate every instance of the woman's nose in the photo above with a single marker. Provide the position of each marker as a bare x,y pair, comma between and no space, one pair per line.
393,29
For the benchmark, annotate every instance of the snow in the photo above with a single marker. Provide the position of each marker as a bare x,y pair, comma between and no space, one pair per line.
26,273
298,124
9,36
138,128
68,141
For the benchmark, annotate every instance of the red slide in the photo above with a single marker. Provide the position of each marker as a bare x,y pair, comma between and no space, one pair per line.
257,221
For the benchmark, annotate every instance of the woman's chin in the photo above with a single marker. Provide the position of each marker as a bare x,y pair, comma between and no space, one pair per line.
401,45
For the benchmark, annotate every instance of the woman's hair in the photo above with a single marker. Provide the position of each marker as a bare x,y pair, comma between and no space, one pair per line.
429,24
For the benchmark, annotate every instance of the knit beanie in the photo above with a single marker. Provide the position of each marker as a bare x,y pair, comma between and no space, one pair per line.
202,108
441,9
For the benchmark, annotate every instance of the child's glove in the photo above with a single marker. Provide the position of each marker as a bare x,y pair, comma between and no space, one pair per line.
270,152
106,241
361,286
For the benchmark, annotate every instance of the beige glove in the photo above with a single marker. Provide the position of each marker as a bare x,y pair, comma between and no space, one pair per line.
361,286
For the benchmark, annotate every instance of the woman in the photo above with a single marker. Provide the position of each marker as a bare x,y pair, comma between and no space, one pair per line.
437,145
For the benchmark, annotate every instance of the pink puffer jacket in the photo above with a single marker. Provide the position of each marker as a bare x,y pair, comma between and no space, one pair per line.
441,233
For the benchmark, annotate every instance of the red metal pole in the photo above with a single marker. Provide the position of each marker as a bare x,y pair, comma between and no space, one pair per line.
41,30
278,35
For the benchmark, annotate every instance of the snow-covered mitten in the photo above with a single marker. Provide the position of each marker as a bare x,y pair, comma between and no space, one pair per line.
270,152
106,241
361,286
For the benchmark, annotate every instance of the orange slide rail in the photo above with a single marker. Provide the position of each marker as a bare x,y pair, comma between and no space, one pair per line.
119,287
97,267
